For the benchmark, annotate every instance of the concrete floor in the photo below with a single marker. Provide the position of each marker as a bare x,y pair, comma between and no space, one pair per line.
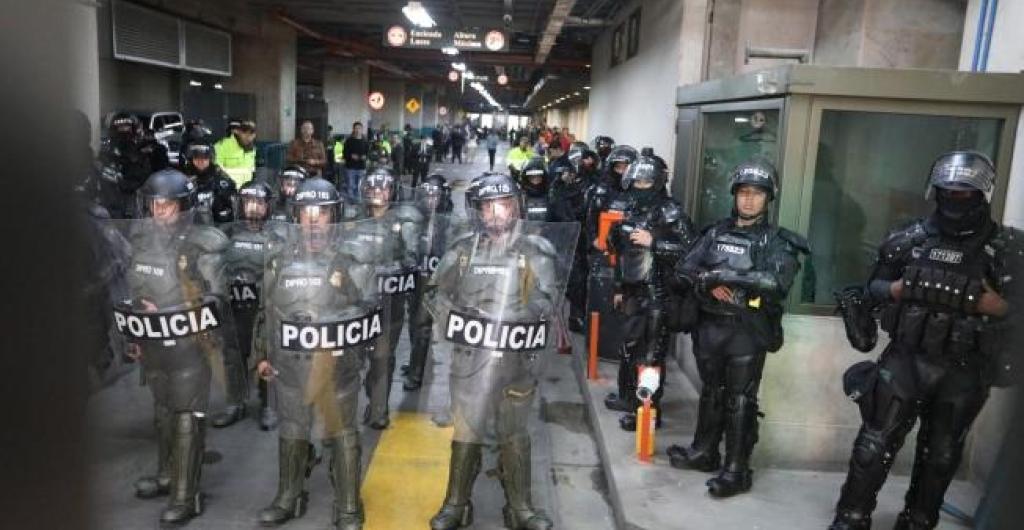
240,476
657,496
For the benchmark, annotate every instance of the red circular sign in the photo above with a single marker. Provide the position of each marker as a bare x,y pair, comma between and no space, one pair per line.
376,100
502,79
442,110
494,40
397,36
453,76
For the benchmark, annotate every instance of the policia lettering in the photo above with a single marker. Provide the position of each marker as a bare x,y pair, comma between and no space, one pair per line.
167,326
495,335
298,336
398,283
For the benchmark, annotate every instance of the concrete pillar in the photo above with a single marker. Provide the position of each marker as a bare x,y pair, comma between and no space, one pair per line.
345,90
429,117
83,52
264,64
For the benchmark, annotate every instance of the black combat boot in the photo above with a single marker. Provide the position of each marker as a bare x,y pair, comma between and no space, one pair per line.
514,468
703,454
740,437
295,463
345,477
457,511
186,500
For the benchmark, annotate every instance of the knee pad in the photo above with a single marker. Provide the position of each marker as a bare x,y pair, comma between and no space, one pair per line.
187,421
944,460
870,450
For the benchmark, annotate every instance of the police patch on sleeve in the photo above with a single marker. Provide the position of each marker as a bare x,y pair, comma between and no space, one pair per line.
168,325
496,335
313,336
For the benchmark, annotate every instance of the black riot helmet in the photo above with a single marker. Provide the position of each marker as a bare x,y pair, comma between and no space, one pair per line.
290,179
200,149
647,172
621,154
757,172
535,175
378,187
316,197
254,196
962,183
437,194
124,126
165,193
603,145
962,171
566,170
493,202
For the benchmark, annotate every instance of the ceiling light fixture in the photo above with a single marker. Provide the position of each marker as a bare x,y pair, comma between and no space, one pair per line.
417,14
450,50
459,67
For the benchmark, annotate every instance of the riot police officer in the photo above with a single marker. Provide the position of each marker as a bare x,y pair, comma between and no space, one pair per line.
128,158
288,181
534,177
654,235
740,270
215,191
496,276
603,145
178,291
938,281
604,191
245,257
398,227
436,205
568,205
319,311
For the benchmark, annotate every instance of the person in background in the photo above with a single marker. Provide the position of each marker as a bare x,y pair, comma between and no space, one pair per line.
397,155
492,147
307,151
458,140
355,150
236,153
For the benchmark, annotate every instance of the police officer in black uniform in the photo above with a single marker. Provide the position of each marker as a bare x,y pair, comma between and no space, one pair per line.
436,207
568,205
288,181
608,186
535,182
128,158
603,145
740,270
939,282
215,191
655,234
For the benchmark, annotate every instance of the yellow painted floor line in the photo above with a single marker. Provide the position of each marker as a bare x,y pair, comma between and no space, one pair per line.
408,473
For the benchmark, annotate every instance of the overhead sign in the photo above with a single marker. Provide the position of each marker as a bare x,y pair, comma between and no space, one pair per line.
413,105
480,40
376,100
442,110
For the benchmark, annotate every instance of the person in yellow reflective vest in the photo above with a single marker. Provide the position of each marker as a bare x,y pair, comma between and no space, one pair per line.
236,153
519,156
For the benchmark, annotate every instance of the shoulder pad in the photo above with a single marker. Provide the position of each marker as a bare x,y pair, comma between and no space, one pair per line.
541,243
208,238
408,213
798,241
902,239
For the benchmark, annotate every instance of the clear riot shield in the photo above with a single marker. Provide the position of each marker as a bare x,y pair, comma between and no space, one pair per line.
494,298
171,310
1001,337
320,315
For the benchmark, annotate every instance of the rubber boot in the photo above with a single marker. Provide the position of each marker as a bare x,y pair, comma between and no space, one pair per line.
514,467
417,362
457,510
187,463
150,487
740,437
703,454
295,458
345,478
268,416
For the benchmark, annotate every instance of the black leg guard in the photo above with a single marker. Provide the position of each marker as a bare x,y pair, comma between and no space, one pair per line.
873,455
160,484
703,454
345,477
187,461
514,468
457,510
740,437
624,400
295,459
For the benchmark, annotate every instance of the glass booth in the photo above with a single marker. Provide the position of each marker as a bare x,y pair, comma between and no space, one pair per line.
853,147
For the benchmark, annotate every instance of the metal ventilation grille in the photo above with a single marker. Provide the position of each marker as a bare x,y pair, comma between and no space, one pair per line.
207,50
145,36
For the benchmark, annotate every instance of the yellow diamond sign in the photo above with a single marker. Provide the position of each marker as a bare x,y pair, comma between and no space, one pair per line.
413,105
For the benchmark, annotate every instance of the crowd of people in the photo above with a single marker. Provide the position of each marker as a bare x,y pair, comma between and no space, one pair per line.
320,277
